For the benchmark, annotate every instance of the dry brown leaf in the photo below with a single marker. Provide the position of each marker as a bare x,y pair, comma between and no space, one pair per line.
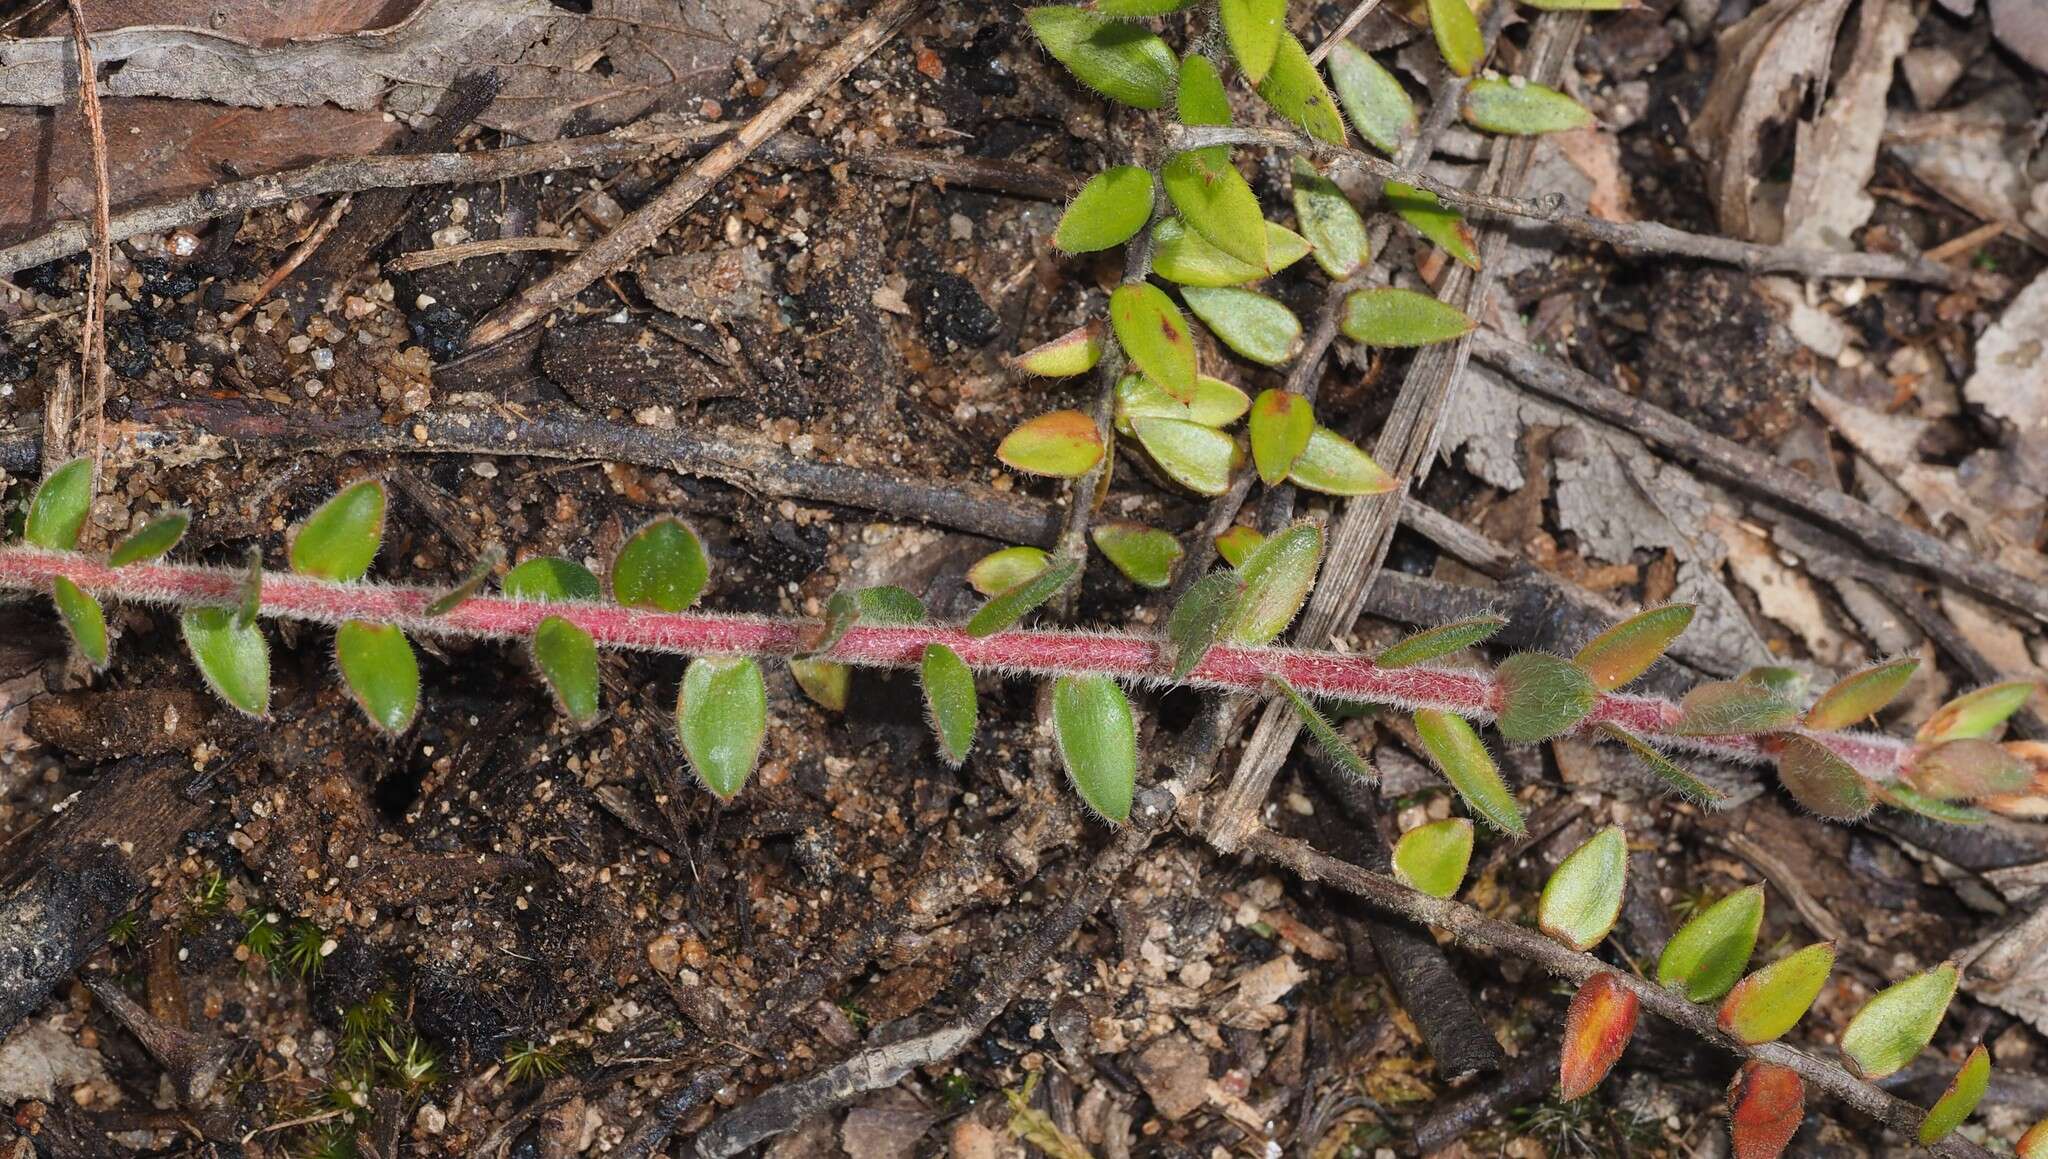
1975,156
1838,151
2011,375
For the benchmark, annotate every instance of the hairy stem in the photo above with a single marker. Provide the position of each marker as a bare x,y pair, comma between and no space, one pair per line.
1126,656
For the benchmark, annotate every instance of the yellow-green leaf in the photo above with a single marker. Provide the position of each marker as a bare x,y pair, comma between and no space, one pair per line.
1014,604
1075,352
1277,579
1296,91
1237,544
1431,218
1960,1100
1145,555
1898,1022
1458,753
662,566
1122,61
825,681
1201,98
1216,402
340,538
567,658
999,571
234,659
1374,99
1389,316
1626,651
1433,858
1197,457
83,619
1255,326
888,606
381,672
1706,957
1859,695
1541,696
1109,211
1771,1001
57,510
1183,256
1442,640
1064,444
1822,781
1198,618
1281,423
153,540
549,580
1900,795
1521,108
1214,199
1457,35
1098,742
1730,708
1978,714
1155,336
2034,1143
1253,29
721,716
949,701
1582,900
1333,465
1329,221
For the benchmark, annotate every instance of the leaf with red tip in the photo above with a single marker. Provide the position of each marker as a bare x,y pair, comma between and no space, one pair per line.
1626,651
1582,900
1978,715
2033,1144
1729,708
1896,1024
1237,544
1064,444
1281,422
1965,770
1964,1092
1818,778
1766,1104
1771,1001
1075,352
1154,333
1596,1030
1859,695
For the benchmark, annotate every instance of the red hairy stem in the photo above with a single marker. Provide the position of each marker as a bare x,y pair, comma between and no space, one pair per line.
1466,692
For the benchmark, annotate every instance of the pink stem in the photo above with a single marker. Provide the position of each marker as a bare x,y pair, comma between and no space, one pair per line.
1466,692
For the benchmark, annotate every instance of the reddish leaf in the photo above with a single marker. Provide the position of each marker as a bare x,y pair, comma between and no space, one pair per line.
1822,781
1596,1031
1968,769
2033,1144
1765,1105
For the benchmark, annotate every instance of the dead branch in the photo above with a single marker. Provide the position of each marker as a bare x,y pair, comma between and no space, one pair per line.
93,332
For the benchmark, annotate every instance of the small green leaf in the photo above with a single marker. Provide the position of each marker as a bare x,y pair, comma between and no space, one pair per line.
1296,91
1237,544
1787,684
889,606
1197,457
1075,352
1822,781
1214,199
1254,325
1859,695
1664,767
153,540
662,566
1521,108
1457,35
1197,621
1277,579
1109,211
1706,957
949,701
1201,98
1980,714
1330,222
1771,1001
1098,742
381,672
57,510
235,660
1185,257
1433,858
1969,769
1281,423
549,580
1440,223
1216,402
487,562
1401,318
824,681
999,571
1582,900
1145,555
567,658
340,538
1374,100
1253,29
1064,444
1541,696
1442,640
1458,753
1124,62
1731,708
1626,651
1957,1103
721,716
1325,733
1155,336
1898,1022
1018,602
1902,796
83,619
1333,465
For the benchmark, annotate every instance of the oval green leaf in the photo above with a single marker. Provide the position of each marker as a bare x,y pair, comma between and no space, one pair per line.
1277,579
1296,91
1458,753
57,510
825,681
1401,318
1122,61
1582,900
1859,695
1155,336
1185,257
567,658
1706,957
1281,423
1822,781
1771,1001
1214,199
888,606
1440,223
999,571
153,540
1900,795
1064,444
1237,544
1541,696
1145,555
340,538
1075,352
1255,326
83,619
1898,1022
1729,708
1014,604
1333,465
1098,742
1216,402
378,665
234,659
1201,98
1980,714
550,580
1626,651
1198,619
1330,222
1960,1100
1109,211
662,566
1433,858
1520,108
1373,98
1253,29
949,701
1197,457
721,716
1442,640
1457,35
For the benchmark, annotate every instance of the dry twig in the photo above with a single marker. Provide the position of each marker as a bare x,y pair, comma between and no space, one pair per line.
93,331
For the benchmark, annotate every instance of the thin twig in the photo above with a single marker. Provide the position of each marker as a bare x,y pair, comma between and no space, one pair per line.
451,254
299,254
93,332
650,221
1351,23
